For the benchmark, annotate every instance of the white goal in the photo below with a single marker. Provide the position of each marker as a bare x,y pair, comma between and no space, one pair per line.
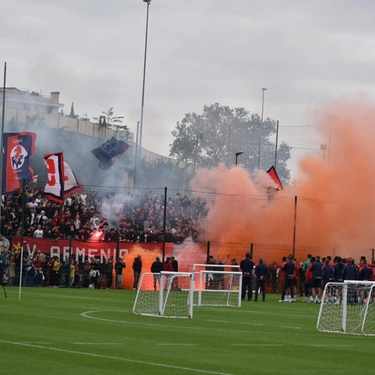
348,307
165,294
218,288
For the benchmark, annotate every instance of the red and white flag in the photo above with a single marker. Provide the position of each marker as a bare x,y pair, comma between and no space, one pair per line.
273,174
18,147
61,180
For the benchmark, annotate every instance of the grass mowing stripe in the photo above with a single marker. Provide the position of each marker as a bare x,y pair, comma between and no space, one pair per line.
152,364
256,338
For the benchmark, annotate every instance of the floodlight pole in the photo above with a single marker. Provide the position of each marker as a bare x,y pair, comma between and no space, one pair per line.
143,85
263,90
2,135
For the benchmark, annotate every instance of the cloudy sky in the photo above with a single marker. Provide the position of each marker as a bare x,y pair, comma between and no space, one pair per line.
306,53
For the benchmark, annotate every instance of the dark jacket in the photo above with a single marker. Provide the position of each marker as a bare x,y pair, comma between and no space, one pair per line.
247,266
261,271
351,272
157,266
137,265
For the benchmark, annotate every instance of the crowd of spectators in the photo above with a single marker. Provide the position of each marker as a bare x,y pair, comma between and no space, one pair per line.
94,215
41,270
102,215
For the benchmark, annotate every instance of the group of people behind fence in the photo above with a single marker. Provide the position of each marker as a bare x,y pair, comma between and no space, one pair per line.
318,272
170,265
309,277
39,270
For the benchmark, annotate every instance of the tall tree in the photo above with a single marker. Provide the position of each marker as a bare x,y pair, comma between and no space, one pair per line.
108,120
220,132
162,173
72,114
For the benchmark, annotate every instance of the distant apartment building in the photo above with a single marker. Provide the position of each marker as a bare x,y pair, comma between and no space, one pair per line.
22,105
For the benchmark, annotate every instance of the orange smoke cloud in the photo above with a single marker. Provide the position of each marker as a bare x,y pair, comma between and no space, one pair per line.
335,212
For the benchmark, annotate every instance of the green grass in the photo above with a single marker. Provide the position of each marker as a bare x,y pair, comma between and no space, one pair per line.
80,331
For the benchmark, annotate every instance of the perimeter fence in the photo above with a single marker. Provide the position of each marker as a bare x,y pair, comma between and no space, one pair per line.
231,224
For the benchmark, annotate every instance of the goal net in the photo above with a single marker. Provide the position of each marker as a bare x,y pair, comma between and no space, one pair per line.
348,308
223,290
161,294
216,287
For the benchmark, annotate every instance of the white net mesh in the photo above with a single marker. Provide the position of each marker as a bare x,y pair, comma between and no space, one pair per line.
218,288
176,304
162,295
344,307
147,299
369,321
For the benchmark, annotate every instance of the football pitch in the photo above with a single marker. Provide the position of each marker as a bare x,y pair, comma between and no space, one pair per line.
83,331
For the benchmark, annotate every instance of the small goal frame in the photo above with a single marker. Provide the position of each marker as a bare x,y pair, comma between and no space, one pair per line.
161,301
348,308
230,296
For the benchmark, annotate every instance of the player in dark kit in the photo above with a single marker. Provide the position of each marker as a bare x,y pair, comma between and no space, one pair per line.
261,273
288,268
247,266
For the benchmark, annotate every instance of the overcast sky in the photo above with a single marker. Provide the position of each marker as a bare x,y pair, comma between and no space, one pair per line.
306,53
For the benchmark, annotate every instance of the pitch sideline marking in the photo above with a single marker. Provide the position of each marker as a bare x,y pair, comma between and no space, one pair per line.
98,343
217,321
85,314
266,345
174,344
116,358
288,327
330,345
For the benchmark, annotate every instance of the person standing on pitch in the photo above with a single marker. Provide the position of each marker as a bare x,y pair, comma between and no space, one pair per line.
175,269
261,273
247,266
156,268
316,283
120,265
109,272
209,276
137,269
288,268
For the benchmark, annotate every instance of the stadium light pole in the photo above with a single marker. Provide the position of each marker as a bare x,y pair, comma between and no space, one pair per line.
143,86
323,147
238,154
2,131
263,90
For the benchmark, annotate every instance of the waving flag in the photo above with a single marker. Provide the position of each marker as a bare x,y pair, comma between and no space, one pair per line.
109,152
16,171
273,174
61,179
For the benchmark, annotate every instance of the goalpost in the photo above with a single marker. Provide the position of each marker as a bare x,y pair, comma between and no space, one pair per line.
215,287
161,294
173,294
348,307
